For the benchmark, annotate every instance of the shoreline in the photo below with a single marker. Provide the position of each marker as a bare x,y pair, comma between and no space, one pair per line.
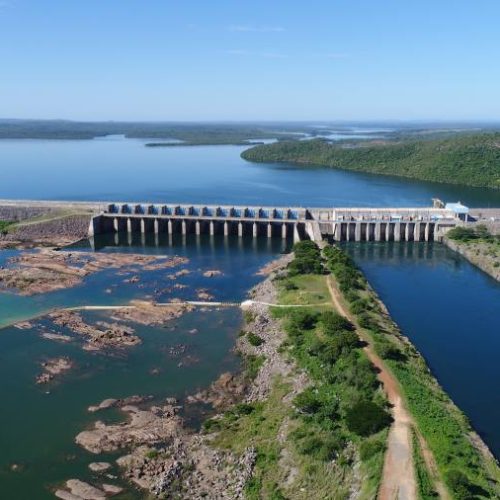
485,264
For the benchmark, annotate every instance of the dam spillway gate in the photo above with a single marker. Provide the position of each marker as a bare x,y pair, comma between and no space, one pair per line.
337,224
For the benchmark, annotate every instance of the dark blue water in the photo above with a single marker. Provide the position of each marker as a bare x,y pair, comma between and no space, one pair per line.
451,312
124,169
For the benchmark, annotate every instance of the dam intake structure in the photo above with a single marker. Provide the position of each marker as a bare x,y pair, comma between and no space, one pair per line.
317,224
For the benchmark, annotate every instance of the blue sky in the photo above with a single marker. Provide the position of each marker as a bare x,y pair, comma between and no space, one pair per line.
250,60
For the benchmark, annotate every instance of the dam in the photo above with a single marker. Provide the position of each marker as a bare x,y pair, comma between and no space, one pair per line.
317,224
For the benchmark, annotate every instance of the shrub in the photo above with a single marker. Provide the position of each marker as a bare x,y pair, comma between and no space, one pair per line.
303,320
307,259
334,322
151,454
370,447
254,339
307,401
366,418
387,351
324,449
211,425
460,485
252,364
289,285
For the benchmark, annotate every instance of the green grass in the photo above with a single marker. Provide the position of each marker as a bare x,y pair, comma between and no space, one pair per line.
425,484
308,289
304,447
468,159
4,226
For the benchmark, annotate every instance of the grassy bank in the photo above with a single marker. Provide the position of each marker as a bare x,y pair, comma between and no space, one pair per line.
472,160
467,470
321,432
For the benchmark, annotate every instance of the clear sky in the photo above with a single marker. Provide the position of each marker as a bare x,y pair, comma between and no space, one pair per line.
250,59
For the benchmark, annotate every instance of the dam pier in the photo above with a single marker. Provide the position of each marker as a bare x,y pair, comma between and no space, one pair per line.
317,224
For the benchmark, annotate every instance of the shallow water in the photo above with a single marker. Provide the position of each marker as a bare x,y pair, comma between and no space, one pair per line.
37,428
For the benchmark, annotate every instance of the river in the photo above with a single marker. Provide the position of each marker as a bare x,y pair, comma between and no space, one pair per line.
447,307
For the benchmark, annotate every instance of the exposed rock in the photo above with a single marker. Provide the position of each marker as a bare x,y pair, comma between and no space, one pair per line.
178,274
112,489
226,390
211,273
204,294
80,490
150,427
99,466
133,279
23,325
98,336
52,368
149,313
119,403
46,270
56,336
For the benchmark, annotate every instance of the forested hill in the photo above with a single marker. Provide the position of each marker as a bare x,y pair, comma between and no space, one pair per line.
472,160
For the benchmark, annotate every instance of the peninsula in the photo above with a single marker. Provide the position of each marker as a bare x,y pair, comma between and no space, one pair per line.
467,159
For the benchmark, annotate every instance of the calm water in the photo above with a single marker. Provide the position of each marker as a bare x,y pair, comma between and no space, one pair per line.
448,308
124,169
450,311
37,428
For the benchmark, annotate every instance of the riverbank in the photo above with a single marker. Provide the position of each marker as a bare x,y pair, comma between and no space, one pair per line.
482,250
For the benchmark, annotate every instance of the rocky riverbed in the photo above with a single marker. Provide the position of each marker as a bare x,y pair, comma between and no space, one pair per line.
52,368
162,455
117,332
46,270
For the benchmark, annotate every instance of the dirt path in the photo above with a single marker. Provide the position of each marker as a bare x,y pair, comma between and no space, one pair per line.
398,477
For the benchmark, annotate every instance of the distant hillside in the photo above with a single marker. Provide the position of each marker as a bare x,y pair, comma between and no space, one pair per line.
472,160
188,133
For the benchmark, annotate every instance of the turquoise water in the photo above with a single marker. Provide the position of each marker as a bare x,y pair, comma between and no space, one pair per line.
450,311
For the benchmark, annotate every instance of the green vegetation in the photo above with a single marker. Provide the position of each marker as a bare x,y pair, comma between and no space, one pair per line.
251,365
479,246
254,339
447,431
307,259
303,290
188,133
426,490
472,160
320,447
4,226
466,234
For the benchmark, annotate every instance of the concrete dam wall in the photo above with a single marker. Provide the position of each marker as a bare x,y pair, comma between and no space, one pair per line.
337,224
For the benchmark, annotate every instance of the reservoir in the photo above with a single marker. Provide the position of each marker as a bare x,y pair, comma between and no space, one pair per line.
117,169
447,307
